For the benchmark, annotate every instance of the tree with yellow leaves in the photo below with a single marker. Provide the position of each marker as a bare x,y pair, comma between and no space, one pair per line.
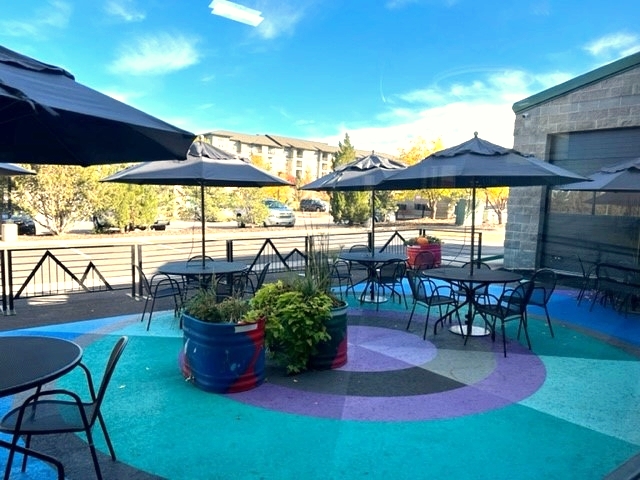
419,150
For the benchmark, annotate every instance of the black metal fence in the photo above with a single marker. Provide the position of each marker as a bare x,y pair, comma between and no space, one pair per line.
47,268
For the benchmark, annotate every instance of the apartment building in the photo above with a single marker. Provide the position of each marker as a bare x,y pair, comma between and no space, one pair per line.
304,159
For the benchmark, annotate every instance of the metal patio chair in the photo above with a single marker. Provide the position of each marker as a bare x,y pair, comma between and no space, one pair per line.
544,283
58,411
157,287
428,294
511,305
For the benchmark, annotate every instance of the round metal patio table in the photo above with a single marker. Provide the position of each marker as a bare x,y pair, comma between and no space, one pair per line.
470,284
372,261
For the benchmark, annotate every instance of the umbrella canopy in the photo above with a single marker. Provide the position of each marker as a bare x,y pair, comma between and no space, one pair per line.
205,166
478,163
46,117
624,199
622,177
364,173
9,169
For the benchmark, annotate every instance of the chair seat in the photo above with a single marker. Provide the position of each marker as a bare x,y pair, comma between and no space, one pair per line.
50,416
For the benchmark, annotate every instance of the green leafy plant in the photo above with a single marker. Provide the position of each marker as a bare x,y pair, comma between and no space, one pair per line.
205,306
295,315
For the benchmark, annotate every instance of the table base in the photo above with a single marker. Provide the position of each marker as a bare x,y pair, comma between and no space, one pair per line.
375,299
475,331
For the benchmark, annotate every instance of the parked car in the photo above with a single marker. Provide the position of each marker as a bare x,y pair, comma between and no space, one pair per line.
313,205
26,225
279,214
104,222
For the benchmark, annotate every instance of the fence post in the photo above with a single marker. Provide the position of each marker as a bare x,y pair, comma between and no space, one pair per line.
9,264
136,259
229,246
4,281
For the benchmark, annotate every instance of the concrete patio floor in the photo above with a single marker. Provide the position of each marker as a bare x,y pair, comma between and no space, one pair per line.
566,410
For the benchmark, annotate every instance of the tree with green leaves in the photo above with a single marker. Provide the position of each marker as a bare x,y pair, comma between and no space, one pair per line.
348,207
57,196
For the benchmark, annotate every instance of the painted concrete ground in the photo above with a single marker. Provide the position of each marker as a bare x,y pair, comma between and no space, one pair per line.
402,407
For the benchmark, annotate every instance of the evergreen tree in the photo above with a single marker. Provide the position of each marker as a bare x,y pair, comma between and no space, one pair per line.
348,207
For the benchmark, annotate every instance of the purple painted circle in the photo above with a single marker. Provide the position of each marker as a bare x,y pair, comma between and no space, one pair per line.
374,349
512,379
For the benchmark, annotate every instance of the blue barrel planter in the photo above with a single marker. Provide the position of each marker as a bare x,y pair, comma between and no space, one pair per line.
223,357
333,352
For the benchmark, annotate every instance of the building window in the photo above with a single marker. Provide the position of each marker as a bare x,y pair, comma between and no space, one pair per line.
272,150
299,153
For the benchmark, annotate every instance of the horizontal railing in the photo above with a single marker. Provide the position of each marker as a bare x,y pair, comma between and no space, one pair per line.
49,267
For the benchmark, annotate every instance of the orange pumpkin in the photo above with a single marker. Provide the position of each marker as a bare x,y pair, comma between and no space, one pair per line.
422,241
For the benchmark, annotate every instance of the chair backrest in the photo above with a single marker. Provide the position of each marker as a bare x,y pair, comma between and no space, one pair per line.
544,281
116,353
392,271
261,276
477,265
198,258
518,298
417,286
359,248
424,261
340,269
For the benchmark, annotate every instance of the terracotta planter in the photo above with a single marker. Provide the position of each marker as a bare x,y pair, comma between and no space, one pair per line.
333,352
414,250
223,357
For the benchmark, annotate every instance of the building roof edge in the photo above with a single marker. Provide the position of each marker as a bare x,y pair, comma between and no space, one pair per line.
580,81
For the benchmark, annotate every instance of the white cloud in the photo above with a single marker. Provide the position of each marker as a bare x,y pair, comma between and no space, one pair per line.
453,123
156,55
452,113
55,15
280,18
125,10
613,46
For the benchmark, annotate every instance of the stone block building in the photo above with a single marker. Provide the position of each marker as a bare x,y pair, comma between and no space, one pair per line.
584,124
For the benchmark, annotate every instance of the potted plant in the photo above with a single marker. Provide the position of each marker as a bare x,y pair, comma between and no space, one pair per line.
423,243
306,326
223,348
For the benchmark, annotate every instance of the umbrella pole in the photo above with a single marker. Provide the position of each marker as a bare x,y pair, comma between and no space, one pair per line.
373,220
473,226
204,222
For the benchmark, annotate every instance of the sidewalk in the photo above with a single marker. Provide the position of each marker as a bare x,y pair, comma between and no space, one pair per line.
39,311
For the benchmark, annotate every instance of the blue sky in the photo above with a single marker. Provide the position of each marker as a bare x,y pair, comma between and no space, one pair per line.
385,71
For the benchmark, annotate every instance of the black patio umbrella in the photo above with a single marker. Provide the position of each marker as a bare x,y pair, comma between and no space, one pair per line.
622,177
624,199
205,166
363,174
46,117
620,182
478,163
9,169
